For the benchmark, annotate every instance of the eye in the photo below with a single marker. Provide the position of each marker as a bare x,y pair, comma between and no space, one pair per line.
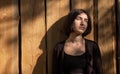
86,20
78,18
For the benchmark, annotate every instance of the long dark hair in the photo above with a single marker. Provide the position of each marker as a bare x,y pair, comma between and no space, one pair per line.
71,17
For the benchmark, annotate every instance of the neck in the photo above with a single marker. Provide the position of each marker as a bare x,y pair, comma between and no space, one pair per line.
75,38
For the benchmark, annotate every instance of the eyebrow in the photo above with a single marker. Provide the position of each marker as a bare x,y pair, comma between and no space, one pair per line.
81,17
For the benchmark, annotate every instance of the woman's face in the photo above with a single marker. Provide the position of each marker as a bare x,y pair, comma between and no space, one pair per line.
80,23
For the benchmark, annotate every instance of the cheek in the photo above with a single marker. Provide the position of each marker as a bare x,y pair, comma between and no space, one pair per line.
85,24
76,23
74,26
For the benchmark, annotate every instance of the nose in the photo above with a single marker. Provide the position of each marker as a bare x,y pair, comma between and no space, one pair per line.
82,23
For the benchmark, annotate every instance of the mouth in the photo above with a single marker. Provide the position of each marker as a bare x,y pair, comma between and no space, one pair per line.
82,28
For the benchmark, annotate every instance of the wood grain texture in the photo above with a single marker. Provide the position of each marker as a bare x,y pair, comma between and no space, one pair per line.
118,34
88,6
33,30
56,12
118,19
9,37
106,35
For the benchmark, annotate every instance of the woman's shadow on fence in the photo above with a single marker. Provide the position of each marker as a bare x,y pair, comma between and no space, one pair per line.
55,34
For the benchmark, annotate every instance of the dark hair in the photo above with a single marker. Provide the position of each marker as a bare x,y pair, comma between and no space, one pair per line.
71,17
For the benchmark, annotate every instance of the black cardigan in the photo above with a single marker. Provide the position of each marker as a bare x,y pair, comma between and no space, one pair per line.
94,63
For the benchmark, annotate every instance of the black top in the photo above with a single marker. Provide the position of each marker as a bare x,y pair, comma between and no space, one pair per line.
74,64
93,58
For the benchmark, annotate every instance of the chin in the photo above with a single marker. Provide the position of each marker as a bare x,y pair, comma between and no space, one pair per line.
79,33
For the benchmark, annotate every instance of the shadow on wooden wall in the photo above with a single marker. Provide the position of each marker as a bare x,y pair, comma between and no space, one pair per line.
56,31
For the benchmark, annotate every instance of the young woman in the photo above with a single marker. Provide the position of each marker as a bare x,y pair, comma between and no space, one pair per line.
77,55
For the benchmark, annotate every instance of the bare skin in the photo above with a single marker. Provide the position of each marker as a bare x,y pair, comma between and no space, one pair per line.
75,44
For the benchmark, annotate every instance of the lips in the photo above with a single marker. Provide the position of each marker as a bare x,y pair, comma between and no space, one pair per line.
82,28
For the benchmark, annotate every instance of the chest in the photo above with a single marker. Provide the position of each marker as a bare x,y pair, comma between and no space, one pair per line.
74,48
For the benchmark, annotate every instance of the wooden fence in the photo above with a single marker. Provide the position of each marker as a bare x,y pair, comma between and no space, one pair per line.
29,29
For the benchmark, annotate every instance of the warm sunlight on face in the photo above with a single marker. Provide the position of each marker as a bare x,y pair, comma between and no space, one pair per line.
80,23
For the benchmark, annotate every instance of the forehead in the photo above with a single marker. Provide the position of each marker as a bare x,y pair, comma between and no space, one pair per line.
83,15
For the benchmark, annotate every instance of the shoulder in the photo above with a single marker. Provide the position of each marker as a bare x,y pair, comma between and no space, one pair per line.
59,45
92,45
58,48
91,42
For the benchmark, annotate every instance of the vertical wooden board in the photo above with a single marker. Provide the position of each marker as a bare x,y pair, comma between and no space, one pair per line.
56,14
118,27
88,6
9,37
106,36
33,31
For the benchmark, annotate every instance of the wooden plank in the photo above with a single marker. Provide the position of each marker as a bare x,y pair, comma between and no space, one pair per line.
56,12
88,6
9,37
118,19
106,35
118,34
33,31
